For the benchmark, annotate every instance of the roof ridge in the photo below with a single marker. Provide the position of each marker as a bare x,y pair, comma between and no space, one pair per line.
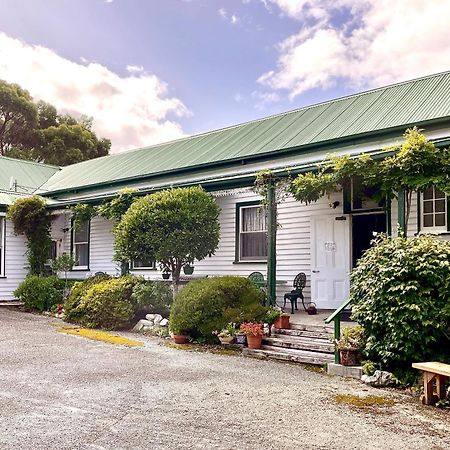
272,116
30,162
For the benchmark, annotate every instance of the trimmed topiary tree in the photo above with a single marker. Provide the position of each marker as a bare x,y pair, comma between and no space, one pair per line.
400,291
206,305
173,227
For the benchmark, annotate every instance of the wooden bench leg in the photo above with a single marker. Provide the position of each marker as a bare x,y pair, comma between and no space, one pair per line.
428,381
440,386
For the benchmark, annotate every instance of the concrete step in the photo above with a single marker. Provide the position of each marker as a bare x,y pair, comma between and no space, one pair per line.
291,355
11,303
313,328
325,334
299,343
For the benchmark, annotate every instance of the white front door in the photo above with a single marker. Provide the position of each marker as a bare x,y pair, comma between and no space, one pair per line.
330,260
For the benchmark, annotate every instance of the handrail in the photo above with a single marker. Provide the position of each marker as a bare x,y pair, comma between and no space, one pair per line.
336,318
338,311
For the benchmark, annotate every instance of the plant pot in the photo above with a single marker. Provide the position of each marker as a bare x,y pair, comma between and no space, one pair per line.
254,341
311,310
226,340
349,357
180,339
282,322
241,339
188,270
165,276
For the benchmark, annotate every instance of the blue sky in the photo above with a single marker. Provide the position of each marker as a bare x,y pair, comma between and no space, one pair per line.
205,64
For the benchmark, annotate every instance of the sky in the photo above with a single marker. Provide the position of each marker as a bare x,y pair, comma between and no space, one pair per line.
150,71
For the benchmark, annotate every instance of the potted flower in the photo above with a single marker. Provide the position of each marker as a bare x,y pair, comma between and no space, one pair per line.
350,345
254,333
272,315
179,336
282,321
227,334
166,274
188,269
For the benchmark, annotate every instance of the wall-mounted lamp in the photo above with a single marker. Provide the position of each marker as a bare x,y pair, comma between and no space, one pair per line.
65,230
334,205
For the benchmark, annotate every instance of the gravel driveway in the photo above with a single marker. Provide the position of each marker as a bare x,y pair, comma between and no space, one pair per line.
65,392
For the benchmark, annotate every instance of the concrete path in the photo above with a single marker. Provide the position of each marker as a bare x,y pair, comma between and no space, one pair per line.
64,392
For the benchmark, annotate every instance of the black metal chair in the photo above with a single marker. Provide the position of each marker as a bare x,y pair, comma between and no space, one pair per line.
298,285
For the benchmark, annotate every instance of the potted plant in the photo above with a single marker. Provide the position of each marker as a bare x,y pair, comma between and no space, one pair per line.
350,345
227,334
282,321
272,315
166,274
179,336
254,333
241,338
188,269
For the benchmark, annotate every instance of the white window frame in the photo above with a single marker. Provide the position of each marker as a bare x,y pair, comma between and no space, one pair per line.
152,267
434,228
88,242
241,232
3,245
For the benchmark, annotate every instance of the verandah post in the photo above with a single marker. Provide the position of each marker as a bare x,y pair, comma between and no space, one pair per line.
271,244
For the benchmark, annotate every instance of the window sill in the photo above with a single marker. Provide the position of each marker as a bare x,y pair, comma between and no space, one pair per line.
80,269
433,231
153,269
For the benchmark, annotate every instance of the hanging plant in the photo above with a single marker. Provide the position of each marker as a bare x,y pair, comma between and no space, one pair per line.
81,213
31,218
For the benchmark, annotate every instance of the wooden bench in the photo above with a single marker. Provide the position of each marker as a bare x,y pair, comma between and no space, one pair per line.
433,371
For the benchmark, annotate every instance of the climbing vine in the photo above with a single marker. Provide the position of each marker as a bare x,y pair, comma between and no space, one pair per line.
31,219
81,212
114,209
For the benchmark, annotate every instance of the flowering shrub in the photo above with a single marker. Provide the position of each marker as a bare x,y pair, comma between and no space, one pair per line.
251,328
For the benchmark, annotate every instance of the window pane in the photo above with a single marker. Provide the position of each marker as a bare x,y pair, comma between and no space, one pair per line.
144,263
2,222
428,207
438,194
428,220
439,220
428,193
82,234
254,246
82,254
253,219
52,251
439,206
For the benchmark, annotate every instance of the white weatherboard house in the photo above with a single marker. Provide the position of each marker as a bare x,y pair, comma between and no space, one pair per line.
322,239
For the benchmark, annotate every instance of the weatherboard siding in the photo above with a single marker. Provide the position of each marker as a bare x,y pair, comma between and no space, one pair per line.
15,263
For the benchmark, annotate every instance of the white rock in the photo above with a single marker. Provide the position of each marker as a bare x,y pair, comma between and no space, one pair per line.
380,378
151,317
164,323
141,324
157,319
147,328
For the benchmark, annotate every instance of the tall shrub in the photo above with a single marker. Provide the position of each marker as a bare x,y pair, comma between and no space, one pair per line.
401,296
31,219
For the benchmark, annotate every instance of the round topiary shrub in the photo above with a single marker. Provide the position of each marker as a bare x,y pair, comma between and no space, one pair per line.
106,303
206,305
40,293
401,296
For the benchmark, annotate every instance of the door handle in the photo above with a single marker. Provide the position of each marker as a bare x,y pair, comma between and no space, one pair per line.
315,271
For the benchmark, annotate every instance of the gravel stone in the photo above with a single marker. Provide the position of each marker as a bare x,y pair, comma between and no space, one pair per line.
65,392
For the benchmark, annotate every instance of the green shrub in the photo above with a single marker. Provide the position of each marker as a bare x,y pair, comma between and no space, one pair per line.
153,297
206,305
79,289
401,295
40,293
107,303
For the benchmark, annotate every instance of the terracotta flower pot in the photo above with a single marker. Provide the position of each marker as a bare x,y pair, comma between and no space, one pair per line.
254,341
349,357
180,339
282,322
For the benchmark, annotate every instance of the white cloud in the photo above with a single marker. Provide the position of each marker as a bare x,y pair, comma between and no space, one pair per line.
132,111
263,99
362,43
232,18
135,69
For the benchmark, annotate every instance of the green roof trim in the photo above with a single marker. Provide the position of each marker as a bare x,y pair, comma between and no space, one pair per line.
423,101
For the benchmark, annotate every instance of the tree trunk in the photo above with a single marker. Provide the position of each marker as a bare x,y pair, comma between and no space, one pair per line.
176,269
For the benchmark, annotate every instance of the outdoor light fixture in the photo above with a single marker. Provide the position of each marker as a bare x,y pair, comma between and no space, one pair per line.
334,205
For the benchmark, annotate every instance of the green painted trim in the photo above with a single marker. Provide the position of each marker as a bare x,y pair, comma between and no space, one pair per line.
237,232
419,212
389,217
262,157
448,213
401,211
271,245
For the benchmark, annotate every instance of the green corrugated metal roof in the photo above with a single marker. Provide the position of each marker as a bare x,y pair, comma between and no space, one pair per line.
401,105
29,175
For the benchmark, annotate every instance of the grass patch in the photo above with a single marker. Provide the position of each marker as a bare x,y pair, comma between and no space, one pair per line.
313,368
369,401
203,348
102,336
